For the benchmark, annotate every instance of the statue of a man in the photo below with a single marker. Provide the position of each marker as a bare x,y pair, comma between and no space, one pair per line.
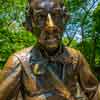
49,70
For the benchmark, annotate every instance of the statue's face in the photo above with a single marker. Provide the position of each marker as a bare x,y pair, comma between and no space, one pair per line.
48,19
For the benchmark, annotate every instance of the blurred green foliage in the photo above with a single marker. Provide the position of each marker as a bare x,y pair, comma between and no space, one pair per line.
13,36
96,18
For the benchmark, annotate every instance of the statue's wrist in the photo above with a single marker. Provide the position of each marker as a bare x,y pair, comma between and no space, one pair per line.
71,97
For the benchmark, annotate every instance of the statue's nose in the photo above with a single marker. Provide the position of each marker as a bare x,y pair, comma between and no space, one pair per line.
49,21
50,25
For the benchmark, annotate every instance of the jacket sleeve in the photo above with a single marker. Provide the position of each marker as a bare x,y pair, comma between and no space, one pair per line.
10,78
88,81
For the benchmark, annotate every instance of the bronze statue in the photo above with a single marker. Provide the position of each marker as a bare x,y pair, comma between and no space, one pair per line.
49,70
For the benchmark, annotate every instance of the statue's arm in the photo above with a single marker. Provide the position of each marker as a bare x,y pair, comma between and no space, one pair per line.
10,78
88,81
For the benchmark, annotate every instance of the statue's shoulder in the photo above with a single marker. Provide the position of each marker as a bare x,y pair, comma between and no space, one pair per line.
71,51
71,55
23,54
15,58
24,51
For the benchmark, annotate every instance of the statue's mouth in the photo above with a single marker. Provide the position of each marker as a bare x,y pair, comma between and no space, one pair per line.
52,40
52,43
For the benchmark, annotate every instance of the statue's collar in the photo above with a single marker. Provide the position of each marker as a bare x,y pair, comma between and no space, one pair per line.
45,54
39,55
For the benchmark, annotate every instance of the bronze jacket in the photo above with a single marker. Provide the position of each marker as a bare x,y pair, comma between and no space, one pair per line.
18,82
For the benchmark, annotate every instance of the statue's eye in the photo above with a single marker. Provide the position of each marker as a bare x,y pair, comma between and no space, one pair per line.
40,17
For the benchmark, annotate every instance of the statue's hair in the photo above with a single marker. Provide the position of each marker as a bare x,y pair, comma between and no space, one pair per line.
59,1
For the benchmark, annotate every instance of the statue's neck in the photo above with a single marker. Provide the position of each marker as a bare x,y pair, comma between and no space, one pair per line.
50,51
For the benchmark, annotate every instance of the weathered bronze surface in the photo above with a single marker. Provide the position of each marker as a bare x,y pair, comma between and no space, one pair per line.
25,75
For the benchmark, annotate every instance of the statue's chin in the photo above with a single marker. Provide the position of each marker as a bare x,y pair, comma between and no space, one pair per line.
52,49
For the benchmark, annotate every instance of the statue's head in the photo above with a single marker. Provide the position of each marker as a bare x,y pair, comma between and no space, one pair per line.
46,19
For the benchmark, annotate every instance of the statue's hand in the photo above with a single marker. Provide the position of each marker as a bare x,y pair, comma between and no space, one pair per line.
69,98
64,95
72,98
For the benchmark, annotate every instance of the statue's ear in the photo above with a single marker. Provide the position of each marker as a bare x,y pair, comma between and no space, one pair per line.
33,3
29,1
28,23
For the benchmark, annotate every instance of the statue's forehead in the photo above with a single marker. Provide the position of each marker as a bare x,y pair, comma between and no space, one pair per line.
45,4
